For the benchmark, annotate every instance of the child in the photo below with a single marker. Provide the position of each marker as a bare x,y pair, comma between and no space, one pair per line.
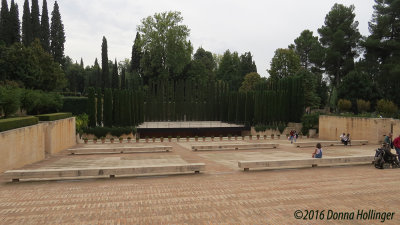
318,151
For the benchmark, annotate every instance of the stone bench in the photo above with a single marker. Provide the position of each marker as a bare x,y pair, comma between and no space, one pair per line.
312,162
328,143
144,149
250,146
16,175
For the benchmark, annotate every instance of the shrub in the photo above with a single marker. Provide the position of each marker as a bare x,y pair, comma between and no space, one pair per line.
344,105
363,106
386,108
309,121
114,131
76,105
281,127
260,128
118,131
14,123
53,116
9,100
81,123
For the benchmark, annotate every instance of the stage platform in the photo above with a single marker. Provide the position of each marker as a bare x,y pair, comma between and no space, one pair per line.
190,128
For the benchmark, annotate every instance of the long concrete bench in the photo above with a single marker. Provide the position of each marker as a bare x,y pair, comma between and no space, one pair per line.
144,149
250,146
16,175
328,143
298,163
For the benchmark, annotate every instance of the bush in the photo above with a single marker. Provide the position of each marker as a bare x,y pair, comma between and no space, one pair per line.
260,128
114,131
344,105
53,116
39,102
281,127
386,108
9,100
75,105
309,121
363,106
14,123
81,123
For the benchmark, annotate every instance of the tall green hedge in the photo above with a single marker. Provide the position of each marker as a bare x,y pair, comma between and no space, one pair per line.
75,105
53,116
14,123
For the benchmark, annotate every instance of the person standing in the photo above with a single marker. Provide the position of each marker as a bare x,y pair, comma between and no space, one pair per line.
388,140
396,144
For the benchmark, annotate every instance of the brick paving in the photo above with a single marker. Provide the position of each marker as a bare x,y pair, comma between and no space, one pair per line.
220,195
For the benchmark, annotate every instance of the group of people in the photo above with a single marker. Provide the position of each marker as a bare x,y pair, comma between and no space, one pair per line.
345,139
392,143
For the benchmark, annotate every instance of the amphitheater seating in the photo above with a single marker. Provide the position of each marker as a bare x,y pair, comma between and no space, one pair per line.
249,146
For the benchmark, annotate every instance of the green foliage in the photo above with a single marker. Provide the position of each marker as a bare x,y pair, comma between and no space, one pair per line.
57,35
309,121
309,81
82,122
363,106
340,37
285,63
92,107
9,100
387,108
14,24
35,22
260,128
309,50
281,127
39,102
202,67
53,116
357,85
250,82
76,105
114,76
45,28
27,36
108,108
166,50
14,123
344,105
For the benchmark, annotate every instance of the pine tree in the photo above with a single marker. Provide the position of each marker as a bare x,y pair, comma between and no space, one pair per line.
35,22
57,35
104,65
26,25
115,78
4,23
45,28
15,29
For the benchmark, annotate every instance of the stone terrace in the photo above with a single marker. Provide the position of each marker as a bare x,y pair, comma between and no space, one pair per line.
223,194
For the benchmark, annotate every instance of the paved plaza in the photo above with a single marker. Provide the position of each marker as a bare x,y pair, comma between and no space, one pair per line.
222,194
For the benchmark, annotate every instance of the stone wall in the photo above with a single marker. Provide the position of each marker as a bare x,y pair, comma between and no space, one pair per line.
291,126
371,129
27,145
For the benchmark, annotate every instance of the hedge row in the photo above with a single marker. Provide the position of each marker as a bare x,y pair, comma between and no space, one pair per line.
53,116
14,123
76,105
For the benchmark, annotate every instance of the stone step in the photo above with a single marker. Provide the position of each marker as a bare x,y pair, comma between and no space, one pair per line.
16,175
234,147
328,143
143,149
312,162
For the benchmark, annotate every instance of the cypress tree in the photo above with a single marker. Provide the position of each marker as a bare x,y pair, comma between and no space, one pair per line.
35,22
45,28
116,107
92,107
108,108
136,55
15,29
123,79
26,25
99,107
4,23
81,64
104,65
97,75
115,78
57,35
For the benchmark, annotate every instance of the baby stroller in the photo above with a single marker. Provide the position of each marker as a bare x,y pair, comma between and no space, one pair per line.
384,158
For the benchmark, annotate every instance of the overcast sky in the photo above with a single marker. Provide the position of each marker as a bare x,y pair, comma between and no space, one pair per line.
258,26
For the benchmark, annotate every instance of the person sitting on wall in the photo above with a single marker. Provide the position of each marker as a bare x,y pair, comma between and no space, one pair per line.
348,140
343,138
318,151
